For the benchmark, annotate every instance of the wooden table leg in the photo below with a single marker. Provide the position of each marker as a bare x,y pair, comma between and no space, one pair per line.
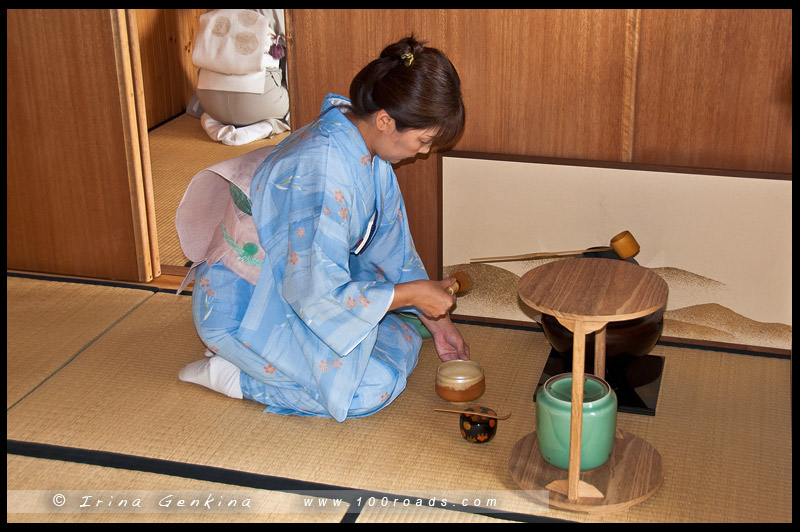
600,353
576,422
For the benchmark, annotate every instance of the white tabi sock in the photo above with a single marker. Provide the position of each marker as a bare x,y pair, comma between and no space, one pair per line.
214,373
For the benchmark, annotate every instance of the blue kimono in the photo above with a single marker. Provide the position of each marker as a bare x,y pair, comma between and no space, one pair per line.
311,331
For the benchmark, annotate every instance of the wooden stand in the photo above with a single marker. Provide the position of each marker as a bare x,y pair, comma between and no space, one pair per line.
585,295
634,472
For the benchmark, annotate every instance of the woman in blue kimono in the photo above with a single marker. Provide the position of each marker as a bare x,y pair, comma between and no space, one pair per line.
302,320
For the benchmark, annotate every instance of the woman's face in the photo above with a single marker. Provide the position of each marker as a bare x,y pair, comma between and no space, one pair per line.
394,146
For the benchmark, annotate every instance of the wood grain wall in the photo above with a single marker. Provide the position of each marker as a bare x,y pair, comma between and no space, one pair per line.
72,170
166,41
714,89
707,89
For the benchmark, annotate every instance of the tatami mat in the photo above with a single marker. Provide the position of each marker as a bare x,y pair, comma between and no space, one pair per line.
178,150
724,435
47,326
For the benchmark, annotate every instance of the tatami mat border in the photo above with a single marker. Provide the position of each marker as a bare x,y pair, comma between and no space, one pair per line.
232,477
98,282
76,280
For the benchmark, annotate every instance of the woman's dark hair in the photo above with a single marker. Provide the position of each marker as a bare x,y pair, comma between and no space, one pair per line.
419,91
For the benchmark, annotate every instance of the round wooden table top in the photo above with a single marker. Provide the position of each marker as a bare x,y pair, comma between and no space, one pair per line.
593,289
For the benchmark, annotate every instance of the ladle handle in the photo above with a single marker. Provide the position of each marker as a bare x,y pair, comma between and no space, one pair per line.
542,255
454,288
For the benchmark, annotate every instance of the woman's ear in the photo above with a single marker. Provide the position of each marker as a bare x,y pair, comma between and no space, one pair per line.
383,121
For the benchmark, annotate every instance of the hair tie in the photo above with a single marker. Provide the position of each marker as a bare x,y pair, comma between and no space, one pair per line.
407,58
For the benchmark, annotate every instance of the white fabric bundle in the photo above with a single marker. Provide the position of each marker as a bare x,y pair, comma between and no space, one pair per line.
232,50
233,41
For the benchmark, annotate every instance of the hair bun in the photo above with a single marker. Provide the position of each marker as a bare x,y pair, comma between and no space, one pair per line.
417,86
403,49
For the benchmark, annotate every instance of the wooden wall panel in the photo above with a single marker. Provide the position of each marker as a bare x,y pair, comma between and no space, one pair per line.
542,82
166,40
69,205
714,89
546,82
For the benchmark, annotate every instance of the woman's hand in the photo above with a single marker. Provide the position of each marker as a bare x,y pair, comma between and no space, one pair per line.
433,300
449,343
430,297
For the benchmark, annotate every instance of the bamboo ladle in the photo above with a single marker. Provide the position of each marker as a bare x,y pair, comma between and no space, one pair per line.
622,244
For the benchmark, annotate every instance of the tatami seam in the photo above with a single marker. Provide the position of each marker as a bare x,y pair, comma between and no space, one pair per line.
81,350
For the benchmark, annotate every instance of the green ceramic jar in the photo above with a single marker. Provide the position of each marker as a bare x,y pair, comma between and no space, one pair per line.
553,415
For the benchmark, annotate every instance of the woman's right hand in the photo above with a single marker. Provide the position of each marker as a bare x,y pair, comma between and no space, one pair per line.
430,297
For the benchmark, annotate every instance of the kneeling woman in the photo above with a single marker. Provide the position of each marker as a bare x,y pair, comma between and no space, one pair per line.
314,332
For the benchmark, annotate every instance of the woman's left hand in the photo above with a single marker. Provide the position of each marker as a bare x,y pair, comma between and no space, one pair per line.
449,343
